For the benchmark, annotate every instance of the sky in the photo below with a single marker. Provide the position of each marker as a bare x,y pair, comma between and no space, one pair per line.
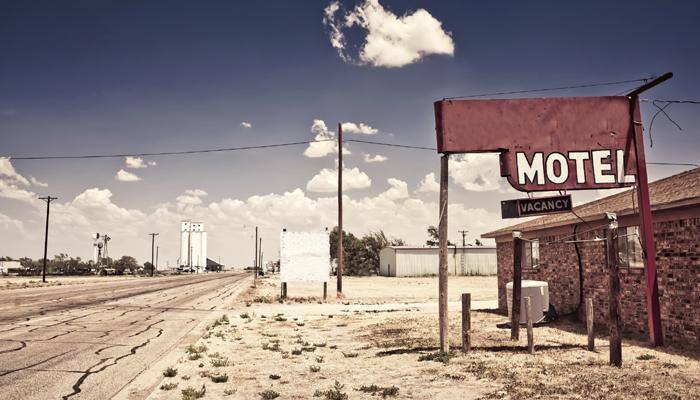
122,77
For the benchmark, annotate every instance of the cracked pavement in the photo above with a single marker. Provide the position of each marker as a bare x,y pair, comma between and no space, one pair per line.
89,341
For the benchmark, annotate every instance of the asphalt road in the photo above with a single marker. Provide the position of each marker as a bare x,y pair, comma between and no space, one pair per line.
88,341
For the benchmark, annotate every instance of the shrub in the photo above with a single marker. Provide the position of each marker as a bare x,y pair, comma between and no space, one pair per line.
314,368
269,394
334,393
645,357
220,362
218,378
168,386
170,372
191,393
390,391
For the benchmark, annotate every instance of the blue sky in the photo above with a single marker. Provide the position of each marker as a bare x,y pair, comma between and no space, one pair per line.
127,76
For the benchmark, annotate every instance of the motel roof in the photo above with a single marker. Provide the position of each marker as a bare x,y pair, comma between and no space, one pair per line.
675,191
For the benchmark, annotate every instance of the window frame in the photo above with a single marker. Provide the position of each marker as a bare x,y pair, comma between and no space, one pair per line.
629,247
530,247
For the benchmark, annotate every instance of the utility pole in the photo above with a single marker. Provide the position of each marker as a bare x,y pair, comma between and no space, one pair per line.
260,257
48,200
153,242
157,249
464,238
339,272
255,265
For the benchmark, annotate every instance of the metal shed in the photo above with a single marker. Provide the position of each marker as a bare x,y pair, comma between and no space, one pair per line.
423,261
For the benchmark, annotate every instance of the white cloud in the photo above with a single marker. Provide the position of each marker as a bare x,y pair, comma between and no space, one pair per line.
374,159
10,223
246,125
191,197
138,162
8,172
477,172
196,192
125,176
326,181
428,184
390,41
324,145
11,183
398,190
351,127
37,182
134,162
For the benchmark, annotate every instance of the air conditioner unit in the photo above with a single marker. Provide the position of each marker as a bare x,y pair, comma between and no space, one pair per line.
537,291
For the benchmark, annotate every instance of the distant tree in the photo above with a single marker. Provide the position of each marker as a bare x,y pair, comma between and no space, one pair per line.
478,242
147,267
361,256
126,263
434,237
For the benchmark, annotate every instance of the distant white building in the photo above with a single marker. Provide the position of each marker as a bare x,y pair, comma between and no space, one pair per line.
193,245
10,266
424,261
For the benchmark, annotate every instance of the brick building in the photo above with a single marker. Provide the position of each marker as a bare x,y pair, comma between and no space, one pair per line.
576,271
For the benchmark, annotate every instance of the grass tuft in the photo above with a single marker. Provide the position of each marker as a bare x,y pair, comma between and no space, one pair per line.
443,357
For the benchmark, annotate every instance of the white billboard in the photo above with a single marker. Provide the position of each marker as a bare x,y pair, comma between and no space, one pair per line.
304,257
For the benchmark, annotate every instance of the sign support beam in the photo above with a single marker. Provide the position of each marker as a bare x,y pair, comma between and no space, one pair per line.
442,240
647,229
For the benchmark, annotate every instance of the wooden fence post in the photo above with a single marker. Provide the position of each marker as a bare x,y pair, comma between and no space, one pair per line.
466,322
530,333
517,285
614,287
589,324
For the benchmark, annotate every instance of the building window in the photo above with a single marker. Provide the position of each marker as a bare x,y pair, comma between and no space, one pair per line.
629,247
531,253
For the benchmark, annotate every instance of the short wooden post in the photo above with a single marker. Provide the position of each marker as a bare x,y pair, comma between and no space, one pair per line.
614,321
284,290
589,324
517,286
530,333
466,322
325,290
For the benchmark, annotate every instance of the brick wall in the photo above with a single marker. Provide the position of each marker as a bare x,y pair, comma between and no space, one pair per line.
678,267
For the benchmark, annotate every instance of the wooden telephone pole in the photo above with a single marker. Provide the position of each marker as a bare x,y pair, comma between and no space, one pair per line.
153,244
341,263
48,200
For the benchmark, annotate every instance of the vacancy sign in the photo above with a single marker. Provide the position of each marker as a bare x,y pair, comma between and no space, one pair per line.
546,144
531,207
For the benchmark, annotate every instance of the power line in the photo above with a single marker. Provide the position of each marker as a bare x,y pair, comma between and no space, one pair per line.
671,101
587,85
227,149
390,144
169,153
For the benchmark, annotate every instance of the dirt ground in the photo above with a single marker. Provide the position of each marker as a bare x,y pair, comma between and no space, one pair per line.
381,340
20,282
